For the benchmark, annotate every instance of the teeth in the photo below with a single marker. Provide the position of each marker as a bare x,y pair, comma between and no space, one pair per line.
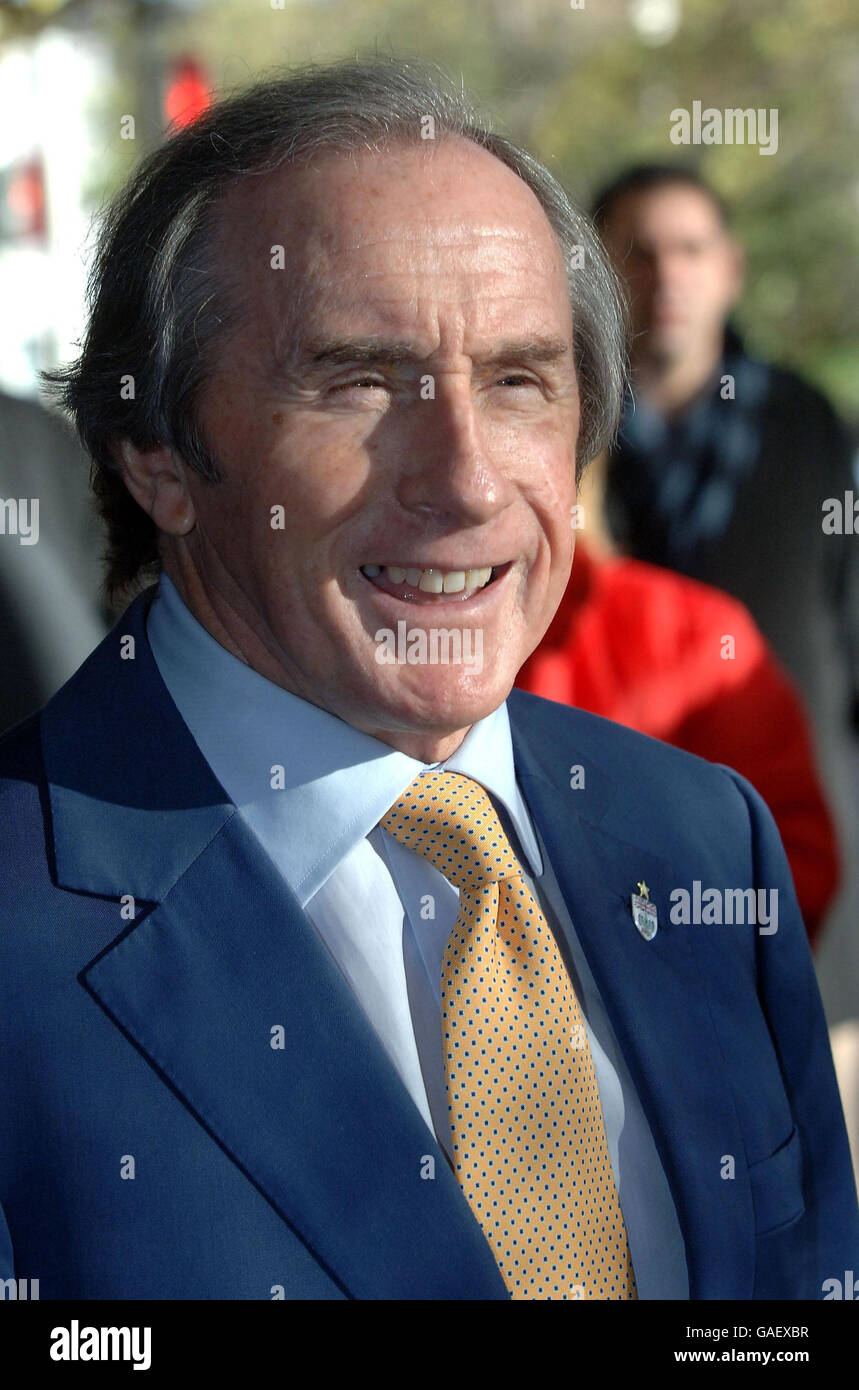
475,579
432,581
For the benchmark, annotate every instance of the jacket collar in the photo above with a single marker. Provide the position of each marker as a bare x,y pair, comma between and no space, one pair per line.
122,822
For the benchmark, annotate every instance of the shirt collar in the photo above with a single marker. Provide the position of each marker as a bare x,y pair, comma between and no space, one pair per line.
311,786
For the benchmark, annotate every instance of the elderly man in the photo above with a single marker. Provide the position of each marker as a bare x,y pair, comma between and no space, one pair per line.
328,971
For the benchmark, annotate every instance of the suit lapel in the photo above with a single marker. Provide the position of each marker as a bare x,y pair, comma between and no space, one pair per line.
655,999
320,1123
203,982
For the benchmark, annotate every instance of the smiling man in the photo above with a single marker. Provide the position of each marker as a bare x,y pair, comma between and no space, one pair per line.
448,510
328,976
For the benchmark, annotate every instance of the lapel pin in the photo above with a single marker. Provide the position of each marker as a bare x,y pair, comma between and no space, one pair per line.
644,912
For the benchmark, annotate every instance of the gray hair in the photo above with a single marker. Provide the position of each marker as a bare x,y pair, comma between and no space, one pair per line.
160,305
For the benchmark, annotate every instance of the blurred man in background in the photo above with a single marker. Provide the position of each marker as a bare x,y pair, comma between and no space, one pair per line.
51,610
723,468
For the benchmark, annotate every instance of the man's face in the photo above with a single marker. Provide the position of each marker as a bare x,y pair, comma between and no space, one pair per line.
404,389
683,269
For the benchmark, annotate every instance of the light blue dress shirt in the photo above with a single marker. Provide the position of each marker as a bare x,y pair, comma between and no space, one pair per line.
312,789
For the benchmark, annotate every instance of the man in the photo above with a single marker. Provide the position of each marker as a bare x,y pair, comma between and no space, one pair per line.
51,614
331,984
723,470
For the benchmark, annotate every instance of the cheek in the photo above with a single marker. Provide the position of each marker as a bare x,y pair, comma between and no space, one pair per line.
556,503
315,469
292,493
713,285
550,564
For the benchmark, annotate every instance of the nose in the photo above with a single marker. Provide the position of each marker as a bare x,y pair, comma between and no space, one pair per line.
454,463
670,270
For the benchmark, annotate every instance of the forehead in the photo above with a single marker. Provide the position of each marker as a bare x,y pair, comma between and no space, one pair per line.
392,227
664,212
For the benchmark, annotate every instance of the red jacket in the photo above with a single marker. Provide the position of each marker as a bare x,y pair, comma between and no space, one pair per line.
685,663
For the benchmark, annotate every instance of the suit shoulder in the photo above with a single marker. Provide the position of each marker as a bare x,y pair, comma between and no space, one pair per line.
642,791
621,751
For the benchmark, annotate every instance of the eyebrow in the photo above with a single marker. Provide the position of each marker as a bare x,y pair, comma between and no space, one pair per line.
385,352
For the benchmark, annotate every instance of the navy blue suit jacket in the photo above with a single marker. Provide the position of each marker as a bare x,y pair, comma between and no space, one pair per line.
141,1031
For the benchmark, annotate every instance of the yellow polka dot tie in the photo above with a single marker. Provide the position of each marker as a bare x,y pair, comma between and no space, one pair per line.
529,1145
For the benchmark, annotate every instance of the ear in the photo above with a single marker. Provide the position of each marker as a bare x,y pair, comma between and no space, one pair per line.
157,482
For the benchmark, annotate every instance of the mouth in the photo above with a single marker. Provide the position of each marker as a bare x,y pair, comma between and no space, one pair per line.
421,584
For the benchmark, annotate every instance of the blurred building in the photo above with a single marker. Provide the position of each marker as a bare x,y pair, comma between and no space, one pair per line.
49,88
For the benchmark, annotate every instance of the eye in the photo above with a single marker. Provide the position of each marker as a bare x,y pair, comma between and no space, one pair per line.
364,382
516,379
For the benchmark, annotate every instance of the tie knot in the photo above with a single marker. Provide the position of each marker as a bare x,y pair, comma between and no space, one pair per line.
449,819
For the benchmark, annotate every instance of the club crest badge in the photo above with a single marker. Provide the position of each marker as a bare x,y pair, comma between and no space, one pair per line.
644,912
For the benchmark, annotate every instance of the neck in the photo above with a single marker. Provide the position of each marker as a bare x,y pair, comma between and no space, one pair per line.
425,747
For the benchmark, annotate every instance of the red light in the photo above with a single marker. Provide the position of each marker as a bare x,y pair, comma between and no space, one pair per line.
25,199
188,93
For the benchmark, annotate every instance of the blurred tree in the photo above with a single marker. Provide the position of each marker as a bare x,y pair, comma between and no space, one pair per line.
590,89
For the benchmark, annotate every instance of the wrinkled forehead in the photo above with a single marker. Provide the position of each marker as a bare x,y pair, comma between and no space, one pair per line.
356,224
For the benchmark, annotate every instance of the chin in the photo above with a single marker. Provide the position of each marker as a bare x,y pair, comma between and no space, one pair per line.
670,343
438,701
